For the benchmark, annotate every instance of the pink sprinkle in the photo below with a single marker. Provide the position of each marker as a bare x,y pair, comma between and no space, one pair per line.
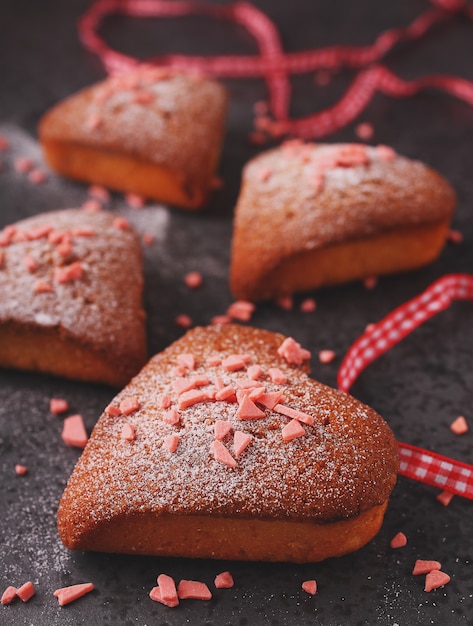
65,595
68,273
364,131
220,319
326,356
459,426
183,320
4,143
129,405
83,231
167,587
445,497
128,432
23,165
221,429
277,376
37,177
398,541
21,470
222,455
148,239
310,586
112,411
270,400
135,201
99,192
172,417
193,280
293,353
248,410
370,282
240,441
39,232
385,153
292,430
26,591
263,174
121,223
285,302
213,361
9,594
165,402
227,393
155,594
171,442
436,579
224,581
187,360
2,260
30,263
241,310
294,414
455,236
93,122
424,567
41,286
189,398
64,249
233,363
308,305
254,372
58,405
193,589
92,206
73,432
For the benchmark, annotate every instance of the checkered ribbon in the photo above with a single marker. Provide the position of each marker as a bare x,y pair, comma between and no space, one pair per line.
422,465
276,66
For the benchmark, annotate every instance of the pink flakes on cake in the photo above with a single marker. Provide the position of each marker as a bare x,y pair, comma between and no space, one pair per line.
42,286
39,232
221,429
171,442
193,589
189,398
193,280
172,417
292,351
240,441
264,174
99,192
241,310
233,363
167,588
26,591
300,416
459,426
310,586
424,567
128,432
277,376
187,360
8,595
66,595
270,399
254,372
135,201
58,405
155,594
112,411
227,393
91,206
398,541
221,454
20,470
436,579
292,430
248,410
385,153
73,431
326,356
129,405
68,273
31,263
121,223
224,581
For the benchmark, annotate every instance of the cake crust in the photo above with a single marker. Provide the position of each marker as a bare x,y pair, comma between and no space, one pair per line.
126,496
88,328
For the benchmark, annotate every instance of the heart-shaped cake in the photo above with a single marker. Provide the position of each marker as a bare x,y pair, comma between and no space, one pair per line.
310,215
223,447
150,131
71,287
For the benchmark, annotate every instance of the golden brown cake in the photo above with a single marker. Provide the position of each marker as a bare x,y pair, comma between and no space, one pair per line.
310,215
189,460
71,285
152,131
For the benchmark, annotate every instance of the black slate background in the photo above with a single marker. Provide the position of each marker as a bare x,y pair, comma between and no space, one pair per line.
419,387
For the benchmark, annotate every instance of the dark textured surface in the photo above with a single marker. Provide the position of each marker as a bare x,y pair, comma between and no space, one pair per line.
419,387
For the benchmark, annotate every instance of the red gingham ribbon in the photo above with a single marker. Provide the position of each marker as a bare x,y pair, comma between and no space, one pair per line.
427,467
276,66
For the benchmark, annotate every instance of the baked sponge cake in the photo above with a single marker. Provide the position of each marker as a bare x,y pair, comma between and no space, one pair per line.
151,131
71,285
310,215
222,447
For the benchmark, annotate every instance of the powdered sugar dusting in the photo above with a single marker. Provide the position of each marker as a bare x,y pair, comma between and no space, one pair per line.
328,474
